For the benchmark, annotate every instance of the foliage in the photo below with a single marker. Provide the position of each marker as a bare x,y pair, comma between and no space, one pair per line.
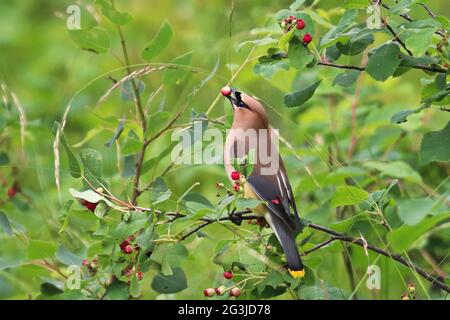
89,178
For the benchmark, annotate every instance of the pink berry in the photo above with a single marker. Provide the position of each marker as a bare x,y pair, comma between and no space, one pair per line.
85,262
300,24
235,175
123,244
307,38
139,275
237,187
12,192
228,274
209,292
235,292
128,249
226,91
220,290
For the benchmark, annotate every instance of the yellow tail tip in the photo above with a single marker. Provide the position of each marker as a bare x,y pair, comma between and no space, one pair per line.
297,273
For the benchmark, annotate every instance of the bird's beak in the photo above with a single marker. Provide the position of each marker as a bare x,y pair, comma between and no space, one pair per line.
234,96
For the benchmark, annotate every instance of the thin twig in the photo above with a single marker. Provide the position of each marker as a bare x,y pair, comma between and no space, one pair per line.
396,37
342,66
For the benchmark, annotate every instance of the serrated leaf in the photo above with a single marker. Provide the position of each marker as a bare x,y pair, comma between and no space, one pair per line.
113,15
435,146
170,284
158,43
74,165
348,195
5,224
346,79
383,61
299,55
298,98
95,40
38,249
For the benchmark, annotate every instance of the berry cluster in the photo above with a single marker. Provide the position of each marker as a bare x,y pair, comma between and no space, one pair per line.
233,291
92,266
235,176
129,271
292,22
127,247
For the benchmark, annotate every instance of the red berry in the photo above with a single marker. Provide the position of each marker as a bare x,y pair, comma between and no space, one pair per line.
235,175
220,290
237,187
209,292
85,262
128,249
290,18
124,244
235,292
300,24
228,274
139,275
12,192
90,205
307,38
226,91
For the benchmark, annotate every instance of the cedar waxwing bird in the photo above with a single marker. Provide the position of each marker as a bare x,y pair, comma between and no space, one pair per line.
268,180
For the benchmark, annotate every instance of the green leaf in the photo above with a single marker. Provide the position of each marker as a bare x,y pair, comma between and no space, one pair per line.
347,78
169,256
38,249
268,70
295,99
159,191
157,122
74,164
95,40
355,4
396,169
356,44
347,21
93,166
383,61
403,238
176,75
132,144
170,284
348,195
117,290
124,229
113,15
296,4
127,90
135,287
158,43
50,289
89,195
419,42
257,43
299,55
4,158
435,146
402,116
67,257
243,204
412,211
4,223
320,292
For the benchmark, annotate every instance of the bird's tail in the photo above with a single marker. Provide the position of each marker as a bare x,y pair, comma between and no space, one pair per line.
286,237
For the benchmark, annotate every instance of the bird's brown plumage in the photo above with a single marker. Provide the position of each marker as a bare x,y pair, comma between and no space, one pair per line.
271,186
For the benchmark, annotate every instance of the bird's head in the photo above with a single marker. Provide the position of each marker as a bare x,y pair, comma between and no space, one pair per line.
246,109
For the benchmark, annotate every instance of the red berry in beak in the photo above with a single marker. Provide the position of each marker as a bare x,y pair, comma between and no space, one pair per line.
307,38
300,24
235,175
226,91
209,292
235,292
228,274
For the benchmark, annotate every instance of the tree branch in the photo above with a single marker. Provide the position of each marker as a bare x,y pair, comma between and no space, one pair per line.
342,66
335,236
396,37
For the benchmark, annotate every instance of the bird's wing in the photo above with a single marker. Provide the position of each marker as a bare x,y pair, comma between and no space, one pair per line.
275,190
